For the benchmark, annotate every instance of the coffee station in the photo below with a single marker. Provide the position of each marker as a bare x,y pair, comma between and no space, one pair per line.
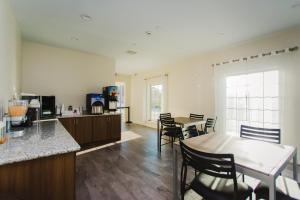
100,123
33,137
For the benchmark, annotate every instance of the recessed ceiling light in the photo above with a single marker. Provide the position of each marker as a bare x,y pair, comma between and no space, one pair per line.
74,38
148,33
131,52
86,17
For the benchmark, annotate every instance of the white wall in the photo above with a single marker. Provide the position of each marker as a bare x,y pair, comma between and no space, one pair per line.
67,74
10,43
190,89
191,81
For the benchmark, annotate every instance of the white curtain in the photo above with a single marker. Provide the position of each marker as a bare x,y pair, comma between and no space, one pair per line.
288,66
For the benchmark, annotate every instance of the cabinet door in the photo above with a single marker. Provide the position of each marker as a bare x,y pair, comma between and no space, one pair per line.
100,128
115,126
84,130
69,124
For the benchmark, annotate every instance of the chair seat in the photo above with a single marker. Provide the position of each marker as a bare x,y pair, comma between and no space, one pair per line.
286,189
218,188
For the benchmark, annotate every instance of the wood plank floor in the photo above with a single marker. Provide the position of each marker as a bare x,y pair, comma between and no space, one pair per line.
130,170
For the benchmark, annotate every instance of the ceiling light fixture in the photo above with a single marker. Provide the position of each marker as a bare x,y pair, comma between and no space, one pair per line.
148,33
131,52
85,17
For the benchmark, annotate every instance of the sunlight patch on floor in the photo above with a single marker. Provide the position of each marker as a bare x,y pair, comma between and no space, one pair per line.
125,136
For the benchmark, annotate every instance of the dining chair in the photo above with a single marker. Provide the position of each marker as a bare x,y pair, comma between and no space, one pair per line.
286,188
189,132
164,115
210,124
196,116
170,129
263,134
216,178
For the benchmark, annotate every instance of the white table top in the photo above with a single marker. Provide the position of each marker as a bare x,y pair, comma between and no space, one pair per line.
186,121
262,157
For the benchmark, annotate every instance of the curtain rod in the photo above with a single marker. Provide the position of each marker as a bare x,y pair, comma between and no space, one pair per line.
155,76
271,53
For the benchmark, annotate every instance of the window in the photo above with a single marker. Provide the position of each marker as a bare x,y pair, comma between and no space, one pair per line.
252,99
156,97
156,101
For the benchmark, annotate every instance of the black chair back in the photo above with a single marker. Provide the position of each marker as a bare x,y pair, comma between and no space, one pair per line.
164,116
168,122
263,134
210,123
196,116
216,165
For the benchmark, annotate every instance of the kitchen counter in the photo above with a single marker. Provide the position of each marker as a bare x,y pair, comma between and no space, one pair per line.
93,130
86,115
45,139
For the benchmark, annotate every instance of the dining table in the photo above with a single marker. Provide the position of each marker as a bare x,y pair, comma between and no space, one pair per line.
258,159
183,122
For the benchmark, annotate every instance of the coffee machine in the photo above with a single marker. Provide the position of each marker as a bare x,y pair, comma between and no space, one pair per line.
95,103
111,98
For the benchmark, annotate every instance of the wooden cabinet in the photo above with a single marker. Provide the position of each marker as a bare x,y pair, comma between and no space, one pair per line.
93,129
83,130
69,124
100,128
45,178
115,126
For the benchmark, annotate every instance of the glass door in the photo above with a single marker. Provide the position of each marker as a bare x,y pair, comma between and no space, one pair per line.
156,98
156,101
252,99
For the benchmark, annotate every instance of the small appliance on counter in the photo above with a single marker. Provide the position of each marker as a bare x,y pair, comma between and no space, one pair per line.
111,97
33,112
48,109
95,103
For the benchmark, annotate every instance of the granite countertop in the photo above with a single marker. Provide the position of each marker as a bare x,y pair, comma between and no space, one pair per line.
41,140
87,115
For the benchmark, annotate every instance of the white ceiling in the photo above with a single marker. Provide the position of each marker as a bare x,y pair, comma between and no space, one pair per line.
179,27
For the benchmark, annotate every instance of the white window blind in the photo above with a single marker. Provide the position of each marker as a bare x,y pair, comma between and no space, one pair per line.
252,99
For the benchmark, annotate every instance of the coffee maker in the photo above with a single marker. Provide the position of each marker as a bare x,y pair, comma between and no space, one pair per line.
94,103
